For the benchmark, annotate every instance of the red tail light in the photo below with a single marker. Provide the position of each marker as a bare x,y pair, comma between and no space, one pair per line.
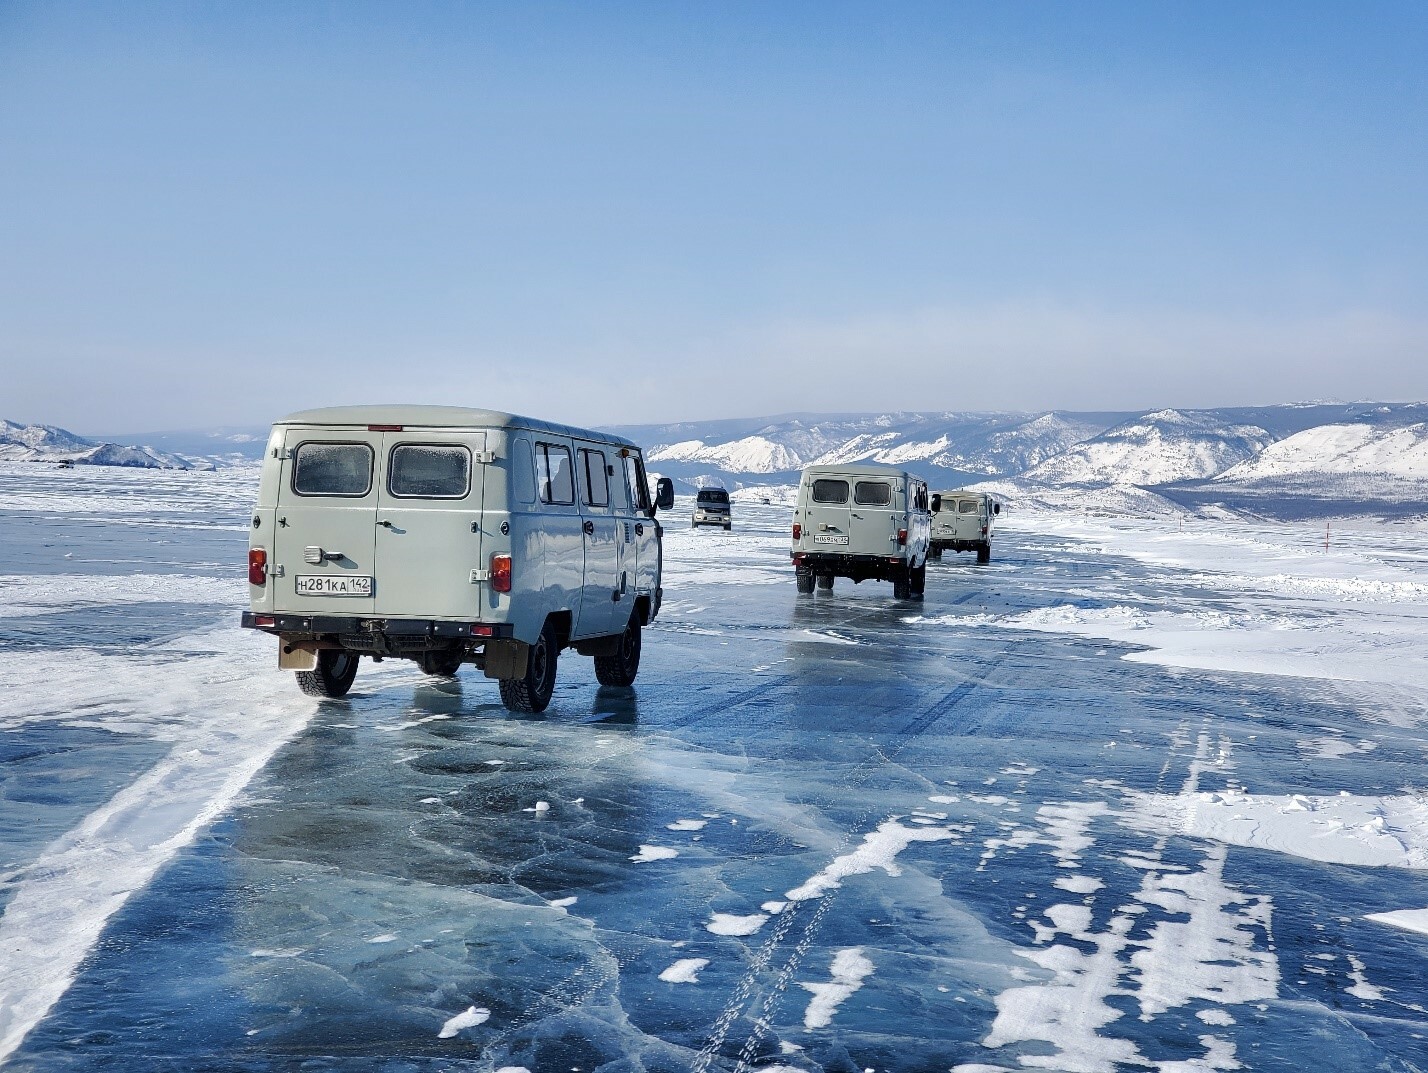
500,573
901,537
257,566
797,531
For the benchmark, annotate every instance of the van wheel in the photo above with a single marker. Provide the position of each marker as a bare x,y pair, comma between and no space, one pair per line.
804,580
825,581
902,588
918,582
935,553
531,692
728,526
333,675
984,552
620,667
441,664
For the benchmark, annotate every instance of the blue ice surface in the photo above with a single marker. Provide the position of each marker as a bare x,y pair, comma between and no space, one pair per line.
387,820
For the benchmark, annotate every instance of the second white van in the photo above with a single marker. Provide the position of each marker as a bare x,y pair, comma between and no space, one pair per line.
861,521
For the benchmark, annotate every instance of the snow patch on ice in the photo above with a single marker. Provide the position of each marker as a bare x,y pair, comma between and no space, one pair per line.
473,1016
880,849
732,924
654,853
1342,829
687,825
848,970
684,971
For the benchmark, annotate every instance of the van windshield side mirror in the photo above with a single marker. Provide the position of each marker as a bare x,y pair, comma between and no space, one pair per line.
996,508
664,494
936,504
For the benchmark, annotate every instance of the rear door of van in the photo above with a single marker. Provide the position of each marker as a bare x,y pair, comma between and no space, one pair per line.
428,525
829,522
324,539
876,516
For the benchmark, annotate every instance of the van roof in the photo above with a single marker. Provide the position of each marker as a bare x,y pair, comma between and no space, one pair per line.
858,469
963,492
440,417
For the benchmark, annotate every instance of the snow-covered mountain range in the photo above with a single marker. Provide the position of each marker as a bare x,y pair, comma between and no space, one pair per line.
1325,456
46,443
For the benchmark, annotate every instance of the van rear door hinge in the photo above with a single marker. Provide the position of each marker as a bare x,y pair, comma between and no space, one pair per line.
478,576
485,457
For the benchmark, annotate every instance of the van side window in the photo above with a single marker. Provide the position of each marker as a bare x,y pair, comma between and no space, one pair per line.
639,483
619,486
826,491
522,470
553,474
429,471
871,493
597,484
332,469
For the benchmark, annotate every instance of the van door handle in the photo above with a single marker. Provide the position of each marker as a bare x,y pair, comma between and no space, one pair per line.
589,528
386,525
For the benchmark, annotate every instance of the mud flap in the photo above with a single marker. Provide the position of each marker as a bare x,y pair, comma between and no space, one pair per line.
291,658
506,658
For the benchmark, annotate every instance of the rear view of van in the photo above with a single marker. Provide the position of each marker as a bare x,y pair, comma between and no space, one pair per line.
448,535
861,521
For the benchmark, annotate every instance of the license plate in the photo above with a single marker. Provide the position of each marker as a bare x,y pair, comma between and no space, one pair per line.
329,585
830,540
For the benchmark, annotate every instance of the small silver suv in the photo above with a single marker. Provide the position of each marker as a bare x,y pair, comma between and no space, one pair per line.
711,507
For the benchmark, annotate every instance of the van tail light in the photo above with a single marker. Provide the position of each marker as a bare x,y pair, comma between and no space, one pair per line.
984,530
901,537
500,573
797,531
257,566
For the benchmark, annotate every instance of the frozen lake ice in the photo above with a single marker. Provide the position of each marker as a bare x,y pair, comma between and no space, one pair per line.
1130,797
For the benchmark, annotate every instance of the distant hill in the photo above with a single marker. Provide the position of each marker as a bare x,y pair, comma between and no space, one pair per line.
46,443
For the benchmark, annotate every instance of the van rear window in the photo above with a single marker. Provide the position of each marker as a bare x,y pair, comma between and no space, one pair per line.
967,506
429,471
332,469
872,494
827,491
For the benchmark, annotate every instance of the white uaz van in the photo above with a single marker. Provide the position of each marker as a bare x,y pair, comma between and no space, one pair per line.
861,521
448,535
962,521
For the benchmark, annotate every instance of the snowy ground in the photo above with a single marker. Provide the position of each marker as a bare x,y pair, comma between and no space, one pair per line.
1130,797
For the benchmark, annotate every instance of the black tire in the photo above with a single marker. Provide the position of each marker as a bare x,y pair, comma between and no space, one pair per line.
825,581
332,677
621,666
532,691
935,553
804,580
728,526
902,588
918,582
984,552
442,664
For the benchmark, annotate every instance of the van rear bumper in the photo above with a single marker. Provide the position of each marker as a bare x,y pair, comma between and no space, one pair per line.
856,567
375,634
936,544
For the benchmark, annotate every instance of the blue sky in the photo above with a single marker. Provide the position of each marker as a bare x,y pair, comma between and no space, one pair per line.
624,212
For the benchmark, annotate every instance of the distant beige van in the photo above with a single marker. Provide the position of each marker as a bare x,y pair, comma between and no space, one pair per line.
448,535
962,521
